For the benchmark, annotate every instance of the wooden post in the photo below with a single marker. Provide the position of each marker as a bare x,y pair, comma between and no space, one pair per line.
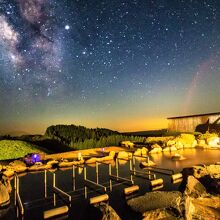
74,178
45,183
54,180
15,186
55,212
130,163
98,199
117,167
134,168
84,173
85,190
110,169
97,172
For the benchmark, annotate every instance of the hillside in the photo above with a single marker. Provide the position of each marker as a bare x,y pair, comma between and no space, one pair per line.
12,149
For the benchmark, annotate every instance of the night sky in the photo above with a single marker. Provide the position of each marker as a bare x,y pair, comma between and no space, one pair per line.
123,65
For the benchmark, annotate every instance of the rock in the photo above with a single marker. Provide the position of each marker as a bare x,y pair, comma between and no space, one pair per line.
124,155
171,143
9,173
127,144
156,200
91,160
106,158
78,162
173,148
108,212
18,166
194,144
156,150
178,157
194,188
200,171
8,186
179,145
17,163
52,162
147,164
112,154
144,151
166,149
155,146
65,163
138,152
201,143
213,141
159,214
38,167
202,208
4,195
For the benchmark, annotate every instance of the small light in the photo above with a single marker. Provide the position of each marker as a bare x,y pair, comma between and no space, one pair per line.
67,27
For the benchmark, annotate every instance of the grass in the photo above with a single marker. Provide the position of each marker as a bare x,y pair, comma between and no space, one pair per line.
13,149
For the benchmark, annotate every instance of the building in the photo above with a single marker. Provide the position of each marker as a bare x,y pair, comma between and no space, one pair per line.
191,123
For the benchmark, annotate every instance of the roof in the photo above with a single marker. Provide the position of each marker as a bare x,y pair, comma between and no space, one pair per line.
198,115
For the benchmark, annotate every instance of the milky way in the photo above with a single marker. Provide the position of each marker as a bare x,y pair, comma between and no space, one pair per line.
92,60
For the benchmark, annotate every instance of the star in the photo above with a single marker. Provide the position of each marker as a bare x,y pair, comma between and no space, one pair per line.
67,27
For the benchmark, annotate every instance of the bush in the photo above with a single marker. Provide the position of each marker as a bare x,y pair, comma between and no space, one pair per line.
11,149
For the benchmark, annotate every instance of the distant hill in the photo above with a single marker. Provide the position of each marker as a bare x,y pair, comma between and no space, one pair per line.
13,149
72,133
14,133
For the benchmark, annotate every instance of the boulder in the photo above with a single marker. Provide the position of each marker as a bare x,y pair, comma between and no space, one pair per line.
7,184
9,173
156,200
52,162
200,171
39,167
18,166
4,195
171,143
147,164
155,146
124,155
106,158
173,148
65,163
178,157
155,150
144,151
108,212
138,152
166,149
201,143
127,144
179,145
213,141
91,160
195,143
159,214
78,162
194,188
202,208
112,154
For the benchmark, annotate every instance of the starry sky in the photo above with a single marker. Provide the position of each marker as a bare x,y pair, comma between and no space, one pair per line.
126,65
